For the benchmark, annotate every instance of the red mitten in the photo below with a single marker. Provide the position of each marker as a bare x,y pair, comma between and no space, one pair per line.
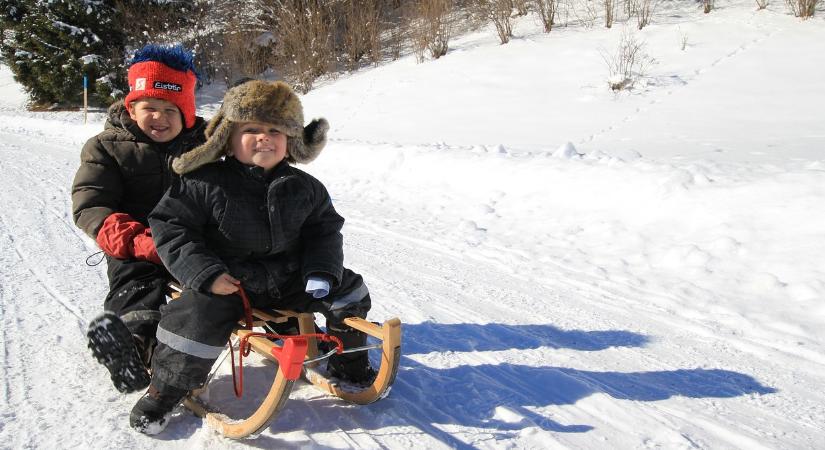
144,247
116,235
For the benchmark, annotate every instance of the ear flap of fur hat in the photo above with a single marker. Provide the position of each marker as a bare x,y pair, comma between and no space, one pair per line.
306,148
217,133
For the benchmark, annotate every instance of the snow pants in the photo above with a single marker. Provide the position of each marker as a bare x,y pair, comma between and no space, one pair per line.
137,290
195,328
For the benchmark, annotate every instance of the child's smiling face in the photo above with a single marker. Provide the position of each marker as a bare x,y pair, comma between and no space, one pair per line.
157,118
258,144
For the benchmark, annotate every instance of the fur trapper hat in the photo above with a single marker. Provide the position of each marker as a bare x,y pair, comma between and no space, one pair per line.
258,101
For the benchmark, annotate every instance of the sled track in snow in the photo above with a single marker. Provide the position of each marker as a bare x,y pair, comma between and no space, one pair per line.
6,338
15,375
30,265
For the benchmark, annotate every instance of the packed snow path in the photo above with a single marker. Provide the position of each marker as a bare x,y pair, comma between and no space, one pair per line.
550,299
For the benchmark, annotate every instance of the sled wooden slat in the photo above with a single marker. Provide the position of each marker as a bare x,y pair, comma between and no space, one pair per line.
306,325
278,316
374,330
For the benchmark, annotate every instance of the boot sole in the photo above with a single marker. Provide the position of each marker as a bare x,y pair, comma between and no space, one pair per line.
113,346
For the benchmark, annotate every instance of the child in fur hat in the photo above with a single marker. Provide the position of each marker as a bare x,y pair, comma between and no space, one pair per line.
241,215
123,173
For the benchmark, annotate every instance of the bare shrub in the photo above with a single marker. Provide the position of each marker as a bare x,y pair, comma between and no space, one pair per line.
498,12
520,6
229,41
609,12
547,10
628,63
563,8
761,4
396,39
630,8
587,12
395,28
431,28
305,47
644,11
246,54
707,6
803,9
360,22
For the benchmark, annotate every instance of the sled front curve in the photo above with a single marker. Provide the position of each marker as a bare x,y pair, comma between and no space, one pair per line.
390,335
269,408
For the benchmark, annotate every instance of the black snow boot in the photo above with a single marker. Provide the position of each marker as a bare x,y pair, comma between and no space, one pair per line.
146,348
113,345
150,415
351,367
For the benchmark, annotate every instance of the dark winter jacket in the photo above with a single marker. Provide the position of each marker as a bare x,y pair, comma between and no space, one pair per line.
123,170
261,229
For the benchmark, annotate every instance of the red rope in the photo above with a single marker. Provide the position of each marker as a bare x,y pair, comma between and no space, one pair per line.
247,308
244,347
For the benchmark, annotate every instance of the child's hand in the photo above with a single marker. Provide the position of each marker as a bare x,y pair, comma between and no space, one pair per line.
225,284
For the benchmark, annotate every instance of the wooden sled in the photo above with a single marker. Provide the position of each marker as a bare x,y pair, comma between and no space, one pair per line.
288,371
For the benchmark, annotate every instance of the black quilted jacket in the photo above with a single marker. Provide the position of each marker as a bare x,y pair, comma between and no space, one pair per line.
262,229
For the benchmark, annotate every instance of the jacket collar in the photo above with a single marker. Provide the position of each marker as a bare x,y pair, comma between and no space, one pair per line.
257,173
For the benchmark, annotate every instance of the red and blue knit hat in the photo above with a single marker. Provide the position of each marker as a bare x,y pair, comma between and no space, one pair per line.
165,72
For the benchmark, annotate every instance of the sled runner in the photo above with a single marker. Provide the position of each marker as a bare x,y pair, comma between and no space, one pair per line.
298,357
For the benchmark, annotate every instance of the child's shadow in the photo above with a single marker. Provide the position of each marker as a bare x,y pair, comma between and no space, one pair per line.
430,337
498,398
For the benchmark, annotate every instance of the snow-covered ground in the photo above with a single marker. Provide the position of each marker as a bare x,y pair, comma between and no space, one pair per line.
573,268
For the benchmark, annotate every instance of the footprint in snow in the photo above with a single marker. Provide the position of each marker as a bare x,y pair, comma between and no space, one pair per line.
473,234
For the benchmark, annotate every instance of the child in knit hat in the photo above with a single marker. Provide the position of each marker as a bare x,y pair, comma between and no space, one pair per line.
241,215
123,173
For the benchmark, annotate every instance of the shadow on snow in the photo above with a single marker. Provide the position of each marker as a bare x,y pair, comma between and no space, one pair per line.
495,398
430,337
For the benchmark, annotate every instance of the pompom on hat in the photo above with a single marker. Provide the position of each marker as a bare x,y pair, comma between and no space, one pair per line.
166,73
258,101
